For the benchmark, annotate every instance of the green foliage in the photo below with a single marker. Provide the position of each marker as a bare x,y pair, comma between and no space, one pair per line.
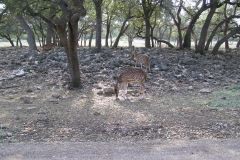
9,27
227,97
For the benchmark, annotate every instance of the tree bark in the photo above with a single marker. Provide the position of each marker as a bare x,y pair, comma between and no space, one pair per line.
147,15
204,31
147,33
108,26
90,38
225,26
72,51
30,38
19,43
122,30
98,8
187,37
50,34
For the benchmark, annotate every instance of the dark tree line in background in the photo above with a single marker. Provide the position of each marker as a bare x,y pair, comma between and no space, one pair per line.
205,24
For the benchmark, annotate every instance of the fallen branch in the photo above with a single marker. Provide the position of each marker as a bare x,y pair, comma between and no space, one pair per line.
163,41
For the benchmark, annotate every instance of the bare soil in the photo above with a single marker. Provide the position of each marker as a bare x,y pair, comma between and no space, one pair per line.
37,105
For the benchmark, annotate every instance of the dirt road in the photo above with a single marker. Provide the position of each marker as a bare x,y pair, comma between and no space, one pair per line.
204,149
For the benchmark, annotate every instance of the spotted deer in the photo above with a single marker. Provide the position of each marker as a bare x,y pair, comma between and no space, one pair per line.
141,59
130,75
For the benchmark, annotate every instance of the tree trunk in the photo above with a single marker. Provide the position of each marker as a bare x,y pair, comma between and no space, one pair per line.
50,34
187,37
194,36
177,21
90,38
69,42
19,42
152,38
42,33
85,40
98,8
122,30
147,33
213,33
108,25
224,39
30,38
147,15
111,39
204,31
10,40
130,41
72,53
37,35
170,34
225,27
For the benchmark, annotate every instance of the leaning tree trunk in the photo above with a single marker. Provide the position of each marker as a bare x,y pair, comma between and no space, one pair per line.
224,39
122,30
187,37
9,39
214,31
30,38
204,31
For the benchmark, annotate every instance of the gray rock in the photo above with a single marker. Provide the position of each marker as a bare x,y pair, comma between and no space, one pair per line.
205,90
56,95
108,92
4,134
162,66
188,61
190,88
26,100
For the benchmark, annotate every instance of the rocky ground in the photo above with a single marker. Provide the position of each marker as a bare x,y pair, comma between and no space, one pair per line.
37,105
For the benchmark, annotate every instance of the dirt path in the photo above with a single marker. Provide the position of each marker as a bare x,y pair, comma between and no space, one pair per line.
151,150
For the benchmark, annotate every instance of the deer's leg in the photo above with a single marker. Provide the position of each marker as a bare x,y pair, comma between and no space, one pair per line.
120,88
142,88
125,86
